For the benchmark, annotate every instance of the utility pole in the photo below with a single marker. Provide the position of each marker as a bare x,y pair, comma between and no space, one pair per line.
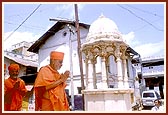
71,67
79,50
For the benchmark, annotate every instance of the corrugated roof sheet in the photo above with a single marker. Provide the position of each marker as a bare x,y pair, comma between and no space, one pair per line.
22,61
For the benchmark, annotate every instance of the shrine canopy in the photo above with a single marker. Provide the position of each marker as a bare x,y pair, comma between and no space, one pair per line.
103,29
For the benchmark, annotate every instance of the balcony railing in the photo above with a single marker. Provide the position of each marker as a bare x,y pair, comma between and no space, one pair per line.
30,58
156,71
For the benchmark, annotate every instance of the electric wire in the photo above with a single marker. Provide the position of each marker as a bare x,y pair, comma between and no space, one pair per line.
141,18
154,14
30,26
23,22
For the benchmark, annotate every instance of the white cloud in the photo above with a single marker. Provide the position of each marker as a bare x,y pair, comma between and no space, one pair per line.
130,39
145,50
18,37
81,6
68,11
150,49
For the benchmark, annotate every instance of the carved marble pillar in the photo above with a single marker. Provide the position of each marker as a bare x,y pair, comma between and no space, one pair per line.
86,67
90,75
119,66
94,76
126,84
104,73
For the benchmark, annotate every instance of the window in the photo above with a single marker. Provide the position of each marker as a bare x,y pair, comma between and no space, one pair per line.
150,67
148,95
79,90
111,86
64,33
157,95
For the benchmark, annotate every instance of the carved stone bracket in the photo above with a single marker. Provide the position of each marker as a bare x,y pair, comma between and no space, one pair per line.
123,51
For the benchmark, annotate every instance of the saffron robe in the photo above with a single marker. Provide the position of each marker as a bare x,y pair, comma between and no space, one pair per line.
56,99
13,97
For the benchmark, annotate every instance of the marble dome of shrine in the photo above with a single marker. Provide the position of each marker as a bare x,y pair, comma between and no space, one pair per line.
103,29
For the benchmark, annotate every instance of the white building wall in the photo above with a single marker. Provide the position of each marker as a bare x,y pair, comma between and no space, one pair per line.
58,42
77,83
131,73
113,66
22,71
130,69
153,70
113,72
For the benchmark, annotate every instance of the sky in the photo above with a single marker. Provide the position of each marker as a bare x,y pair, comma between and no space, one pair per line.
141,24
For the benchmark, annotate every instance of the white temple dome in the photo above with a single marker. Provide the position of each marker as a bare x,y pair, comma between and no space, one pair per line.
103,29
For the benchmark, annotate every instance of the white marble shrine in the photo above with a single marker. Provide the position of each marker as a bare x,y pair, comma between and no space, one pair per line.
104,40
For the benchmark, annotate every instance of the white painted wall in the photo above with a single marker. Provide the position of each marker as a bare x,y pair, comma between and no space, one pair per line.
58,42
113,65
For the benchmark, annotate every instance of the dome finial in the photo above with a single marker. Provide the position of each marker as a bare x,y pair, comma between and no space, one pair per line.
101,16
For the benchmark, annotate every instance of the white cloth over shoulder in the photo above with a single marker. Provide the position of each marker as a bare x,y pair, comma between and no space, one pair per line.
161,108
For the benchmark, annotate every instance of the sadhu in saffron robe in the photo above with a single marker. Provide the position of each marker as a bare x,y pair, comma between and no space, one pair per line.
13,97
54,99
